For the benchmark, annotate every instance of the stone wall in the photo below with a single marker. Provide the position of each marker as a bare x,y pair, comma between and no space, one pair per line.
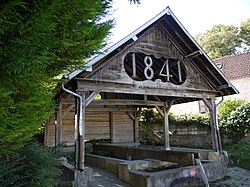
190,136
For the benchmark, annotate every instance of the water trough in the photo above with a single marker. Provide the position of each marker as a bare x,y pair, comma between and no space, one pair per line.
150,166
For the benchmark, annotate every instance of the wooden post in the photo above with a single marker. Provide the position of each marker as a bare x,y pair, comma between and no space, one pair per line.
58,139
136,127
166,108
82,132
210,103
76,133
111,126
165,127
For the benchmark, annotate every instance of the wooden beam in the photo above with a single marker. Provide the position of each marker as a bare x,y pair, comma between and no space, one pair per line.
91,97
134,89
102,109
224,86
159,110
208,103
170,103
157,98
68,101
125,102
65,112
131,116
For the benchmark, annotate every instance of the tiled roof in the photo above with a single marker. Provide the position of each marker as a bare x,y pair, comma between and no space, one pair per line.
235,66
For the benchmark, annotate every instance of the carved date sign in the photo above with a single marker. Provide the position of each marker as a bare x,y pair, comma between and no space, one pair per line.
141,67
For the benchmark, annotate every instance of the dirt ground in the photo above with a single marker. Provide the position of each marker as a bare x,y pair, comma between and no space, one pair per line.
236,177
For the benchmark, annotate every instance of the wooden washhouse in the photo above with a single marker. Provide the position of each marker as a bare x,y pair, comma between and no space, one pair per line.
158,65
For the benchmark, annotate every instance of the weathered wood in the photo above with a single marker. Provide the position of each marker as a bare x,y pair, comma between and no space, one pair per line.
210,103
159,110
91,97
59,124
104,86
123,128
183,158
111,122
166,127
131,116
136,127
97,125
125,102
68,109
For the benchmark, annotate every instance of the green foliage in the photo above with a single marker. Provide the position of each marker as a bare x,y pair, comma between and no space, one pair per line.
238,123
34,165
234,118
239,154
229,106
151,120
151,116
11,172
38,41
245,32
148,136
191,119
219,41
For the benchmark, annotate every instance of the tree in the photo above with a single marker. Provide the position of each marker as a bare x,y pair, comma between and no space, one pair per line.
220,41
245,33
39,40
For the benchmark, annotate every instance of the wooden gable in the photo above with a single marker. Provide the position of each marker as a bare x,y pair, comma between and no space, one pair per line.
151,62
159,59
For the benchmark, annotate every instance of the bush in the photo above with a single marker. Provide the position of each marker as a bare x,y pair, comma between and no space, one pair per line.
33,165
11,172
151,116
234,119
228,106
151,120
190,119
238,123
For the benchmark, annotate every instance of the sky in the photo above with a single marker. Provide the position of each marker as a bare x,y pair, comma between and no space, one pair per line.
197,16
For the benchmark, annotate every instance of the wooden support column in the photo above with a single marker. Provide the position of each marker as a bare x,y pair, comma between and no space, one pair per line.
76,133
136,126
80,146
210,103
58,137
166,108
111,126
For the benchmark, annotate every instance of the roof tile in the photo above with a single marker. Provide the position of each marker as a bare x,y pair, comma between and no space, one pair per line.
235,66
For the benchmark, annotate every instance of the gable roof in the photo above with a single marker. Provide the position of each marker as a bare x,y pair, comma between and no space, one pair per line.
182,40
235,66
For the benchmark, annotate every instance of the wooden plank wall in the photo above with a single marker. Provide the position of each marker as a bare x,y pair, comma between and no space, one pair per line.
68,126
98,126
123,128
